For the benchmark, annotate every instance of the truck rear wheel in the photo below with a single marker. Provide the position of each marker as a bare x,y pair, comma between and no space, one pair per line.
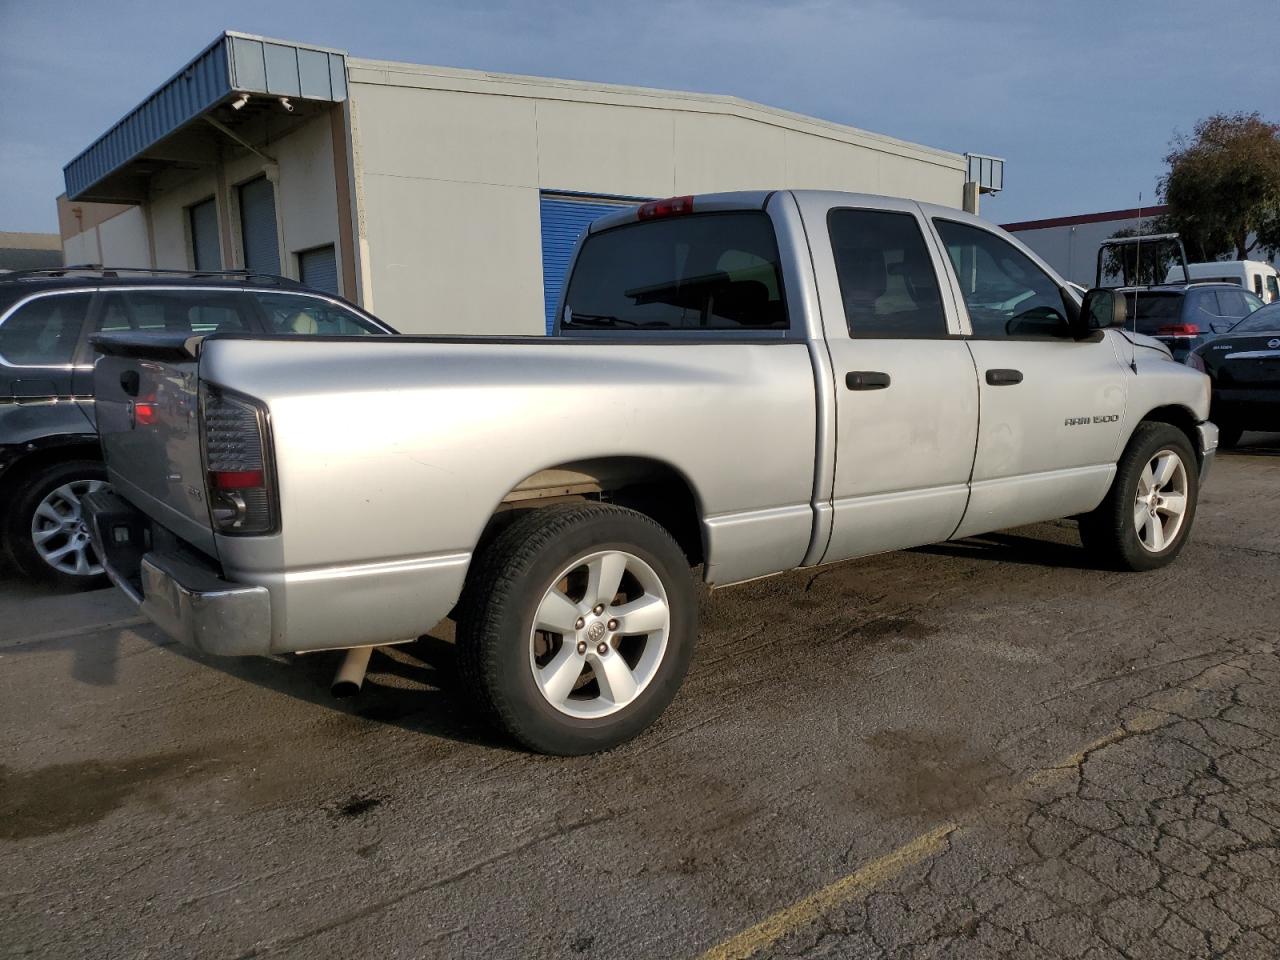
577,626
1147,515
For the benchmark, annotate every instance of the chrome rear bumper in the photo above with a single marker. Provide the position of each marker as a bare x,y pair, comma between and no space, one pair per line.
184,596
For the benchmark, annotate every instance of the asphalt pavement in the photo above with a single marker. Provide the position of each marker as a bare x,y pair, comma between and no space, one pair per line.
979,749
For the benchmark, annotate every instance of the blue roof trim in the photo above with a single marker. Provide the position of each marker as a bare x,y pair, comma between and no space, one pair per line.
234,63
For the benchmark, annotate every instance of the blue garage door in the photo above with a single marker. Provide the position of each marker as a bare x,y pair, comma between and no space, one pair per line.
564,220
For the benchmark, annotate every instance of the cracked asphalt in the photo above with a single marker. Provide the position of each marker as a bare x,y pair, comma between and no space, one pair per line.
978,749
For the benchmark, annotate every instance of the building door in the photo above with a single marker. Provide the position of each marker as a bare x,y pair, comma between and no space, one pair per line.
318,269
564,220
258,226
206,253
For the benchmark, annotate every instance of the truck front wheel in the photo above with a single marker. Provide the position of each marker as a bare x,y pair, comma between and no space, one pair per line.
1146,518
577,626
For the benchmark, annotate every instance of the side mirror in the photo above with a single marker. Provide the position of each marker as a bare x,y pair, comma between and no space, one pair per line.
1104,308
1221,326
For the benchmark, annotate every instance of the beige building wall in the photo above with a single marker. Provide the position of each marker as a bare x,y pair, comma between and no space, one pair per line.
116,238
449,165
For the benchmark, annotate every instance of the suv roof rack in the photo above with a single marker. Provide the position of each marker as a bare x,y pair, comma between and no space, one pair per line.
81,269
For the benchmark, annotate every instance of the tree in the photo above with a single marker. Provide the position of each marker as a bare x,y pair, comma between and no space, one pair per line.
1141,265
1223,186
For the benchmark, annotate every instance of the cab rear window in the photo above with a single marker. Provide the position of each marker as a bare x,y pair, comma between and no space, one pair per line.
709,271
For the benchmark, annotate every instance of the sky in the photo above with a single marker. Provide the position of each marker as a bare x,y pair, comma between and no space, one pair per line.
1080,97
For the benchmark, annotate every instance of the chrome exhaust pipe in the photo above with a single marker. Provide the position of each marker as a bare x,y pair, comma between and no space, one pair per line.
350,676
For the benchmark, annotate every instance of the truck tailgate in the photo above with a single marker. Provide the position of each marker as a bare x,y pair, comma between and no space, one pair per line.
147,395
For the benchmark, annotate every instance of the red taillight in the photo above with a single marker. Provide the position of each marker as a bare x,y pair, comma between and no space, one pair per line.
1179,330
236,479
144,413
237,464
670,207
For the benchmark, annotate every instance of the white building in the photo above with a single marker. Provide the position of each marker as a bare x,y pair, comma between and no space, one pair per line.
1070,244
445,201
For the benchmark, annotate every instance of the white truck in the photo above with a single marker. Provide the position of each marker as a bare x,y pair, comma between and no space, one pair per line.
1257,276
740,383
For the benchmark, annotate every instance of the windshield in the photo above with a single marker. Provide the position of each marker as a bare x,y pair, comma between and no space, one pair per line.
1265,320
1153,311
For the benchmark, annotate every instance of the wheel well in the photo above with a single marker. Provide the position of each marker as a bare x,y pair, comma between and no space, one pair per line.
43,457
1183,419
651,487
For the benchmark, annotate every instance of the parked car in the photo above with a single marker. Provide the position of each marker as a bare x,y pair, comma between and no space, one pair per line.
1184,316
745,382
1255,275
49,453
1244,367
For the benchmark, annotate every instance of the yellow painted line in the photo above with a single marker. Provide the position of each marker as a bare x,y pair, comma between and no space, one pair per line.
769,931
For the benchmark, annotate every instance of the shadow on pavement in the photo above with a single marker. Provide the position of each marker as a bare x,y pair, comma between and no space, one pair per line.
413,686
1255,444
1015,548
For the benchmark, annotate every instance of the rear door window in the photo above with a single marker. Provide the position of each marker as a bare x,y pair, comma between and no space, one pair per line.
1236,303
291,313
887,282
709,271
184,311
43,332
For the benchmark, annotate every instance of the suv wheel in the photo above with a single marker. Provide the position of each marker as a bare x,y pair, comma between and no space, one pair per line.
47,535
577,626
1146,518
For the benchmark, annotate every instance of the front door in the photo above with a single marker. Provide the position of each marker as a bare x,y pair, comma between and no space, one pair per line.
906,392
1051,405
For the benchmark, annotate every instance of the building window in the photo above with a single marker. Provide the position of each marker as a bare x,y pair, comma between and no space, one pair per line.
318,268
206,253
258,226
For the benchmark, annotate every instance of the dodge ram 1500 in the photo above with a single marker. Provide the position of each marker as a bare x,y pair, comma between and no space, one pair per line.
745,383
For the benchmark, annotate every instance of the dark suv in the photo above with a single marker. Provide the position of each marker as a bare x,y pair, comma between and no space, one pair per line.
1185,316
49,456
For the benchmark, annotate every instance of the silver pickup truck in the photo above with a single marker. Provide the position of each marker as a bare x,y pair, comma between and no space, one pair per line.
745,383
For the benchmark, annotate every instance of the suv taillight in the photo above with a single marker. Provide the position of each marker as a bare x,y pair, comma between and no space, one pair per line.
1178,330
237,464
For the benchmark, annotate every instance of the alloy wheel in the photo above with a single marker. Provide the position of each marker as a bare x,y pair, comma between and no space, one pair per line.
1161,502
59,532
599,634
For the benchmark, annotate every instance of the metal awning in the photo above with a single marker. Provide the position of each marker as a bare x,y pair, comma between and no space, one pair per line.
165,130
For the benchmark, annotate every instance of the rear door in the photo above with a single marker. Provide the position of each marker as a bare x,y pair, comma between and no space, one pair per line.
1051,405
906,391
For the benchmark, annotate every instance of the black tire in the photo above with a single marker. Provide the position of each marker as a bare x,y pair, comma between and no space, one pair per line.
507,582
18,524
1229,435
1109,532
